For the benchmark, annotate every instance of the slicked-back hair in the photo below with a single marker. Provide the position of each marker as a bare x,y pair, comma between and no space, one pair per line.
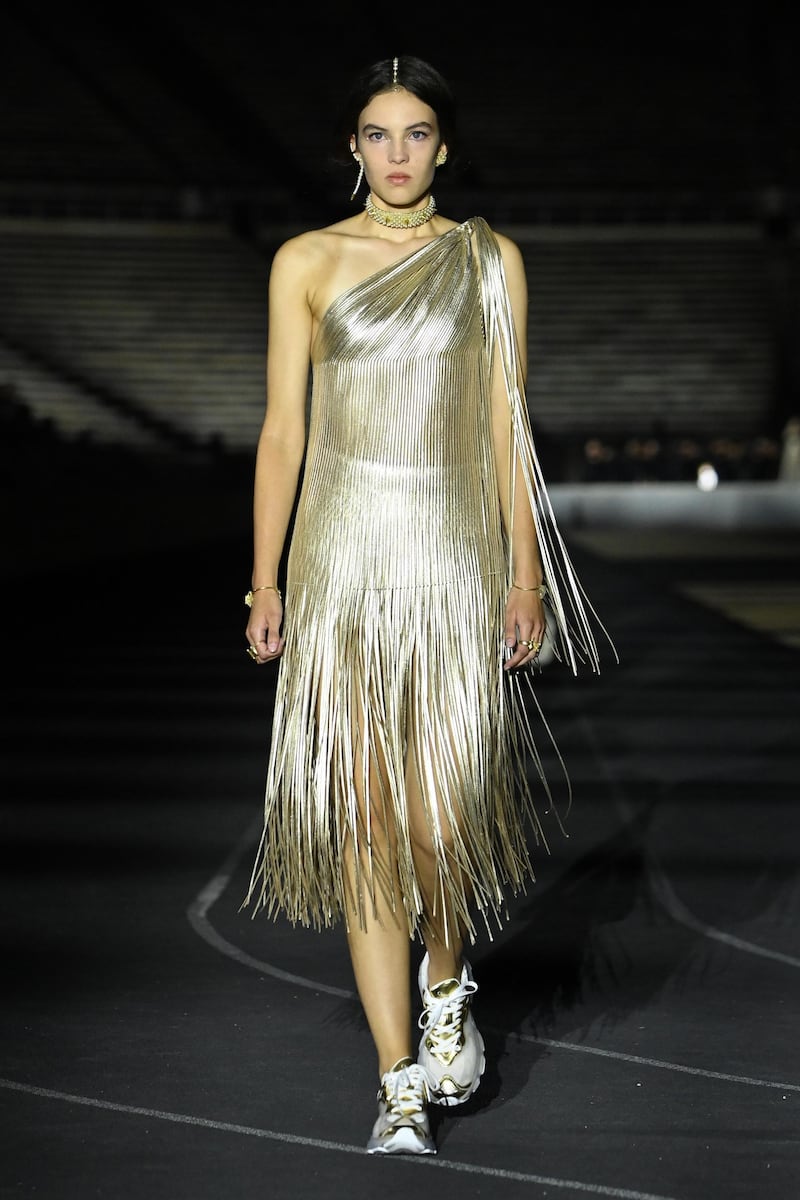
416,76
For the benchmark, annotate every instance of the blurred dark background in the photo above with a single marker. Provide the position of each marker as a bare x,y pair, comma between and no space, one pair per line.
647,161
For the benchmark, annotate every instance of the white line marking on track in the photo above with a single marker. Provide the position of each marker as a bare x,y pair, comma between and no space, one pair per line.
197,914
653,1062
665,894
293,1139
660,886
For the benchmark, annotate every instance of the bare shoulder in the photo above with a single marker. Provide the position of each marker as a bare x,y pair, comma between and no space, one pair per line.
309,258
301,255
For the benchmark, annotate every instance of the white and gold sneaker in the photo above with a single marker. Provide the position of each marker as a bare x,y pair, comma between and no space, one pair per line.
451,1048
402,1126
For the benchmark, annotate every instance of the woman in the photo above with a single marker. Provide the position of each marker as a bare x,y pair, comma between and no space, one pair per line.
422,551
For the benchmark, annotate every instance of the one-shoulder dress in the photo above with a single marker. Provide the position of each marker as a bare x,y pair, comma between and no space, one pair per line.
397,579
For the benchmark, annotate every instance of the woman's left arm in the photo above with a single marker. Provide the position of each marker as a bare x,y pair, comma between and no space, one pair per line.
525,616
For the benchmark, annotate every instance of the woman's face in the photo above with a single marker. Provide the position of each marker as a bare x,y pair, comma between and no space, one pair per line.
398,139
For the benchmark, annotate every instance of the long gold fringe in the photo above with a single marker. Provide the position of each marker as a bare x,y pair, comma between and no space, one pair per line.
572,610
400,694
380,678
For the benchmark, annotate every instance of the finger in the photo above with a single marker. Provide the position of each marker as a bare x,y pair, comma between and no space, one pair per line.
263,643
267,652
273,637
264,630
261,653
517,659
527,650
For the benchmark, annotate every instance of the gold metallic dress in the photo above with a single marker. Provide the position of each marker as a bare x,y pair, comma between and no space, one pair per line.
392,709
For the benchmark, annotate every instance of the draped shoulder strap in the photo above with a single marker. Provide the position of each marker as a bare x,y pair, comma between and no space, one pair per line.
572,611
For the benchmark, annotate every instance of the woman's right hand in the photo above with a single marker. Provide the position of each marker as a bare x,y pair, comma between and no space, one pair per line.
263,631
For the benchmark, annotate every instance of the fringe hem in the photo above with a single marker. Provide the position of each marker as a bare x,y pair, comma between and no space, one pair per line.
388,687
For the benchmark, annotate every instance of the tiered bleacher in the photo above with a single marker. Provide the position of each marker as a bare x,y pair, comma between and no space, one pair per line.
648,332
139,331
152,165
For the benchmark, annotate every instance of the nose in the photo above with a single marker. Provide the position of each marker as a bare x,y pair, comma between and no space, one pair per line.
397,152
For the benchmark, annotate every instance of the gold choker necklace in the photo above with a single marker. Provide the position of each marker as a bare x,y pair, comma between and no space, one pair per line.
400,220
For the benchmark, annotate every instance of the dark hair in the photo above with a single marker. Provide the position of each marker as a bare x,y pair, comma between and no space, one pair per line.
417,77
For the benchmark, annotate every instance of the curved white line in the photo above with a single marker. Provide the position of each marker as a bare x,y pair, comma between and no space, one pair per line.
663,892
672,904
198,918
596,1189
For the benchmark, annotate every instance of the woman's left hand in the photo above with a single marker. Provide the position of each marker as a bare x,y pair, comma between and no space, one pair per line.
525,628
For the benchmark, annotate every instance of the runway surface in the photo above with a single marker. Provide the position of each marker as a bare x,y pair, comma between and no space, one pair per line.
640,1008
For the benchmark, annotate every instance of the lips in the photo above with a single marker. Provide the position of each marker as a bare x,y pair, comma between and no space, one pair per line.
398,178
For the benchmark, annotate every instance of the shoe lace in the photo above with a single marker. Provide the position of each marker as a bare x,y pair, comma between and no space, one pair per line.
407,1090
443,1018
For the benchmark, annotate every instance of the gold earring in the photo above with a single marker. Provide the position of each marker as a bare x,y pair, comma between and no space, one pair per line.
441,158
360,162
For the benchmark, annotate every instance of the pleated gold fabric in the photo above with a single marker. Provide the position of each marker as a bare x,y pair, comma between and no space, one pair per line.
392,712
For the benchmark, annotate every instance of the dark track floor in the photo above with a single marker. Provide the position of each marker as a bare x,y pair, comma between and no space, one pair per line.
641,1008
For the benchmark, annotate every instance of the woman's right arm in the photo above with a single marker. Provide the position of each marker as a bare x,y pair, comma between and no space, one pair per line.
282,439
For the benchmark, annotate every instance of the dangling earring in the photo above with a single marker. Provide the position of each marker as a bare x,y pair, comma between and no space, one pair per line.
360,162
441,158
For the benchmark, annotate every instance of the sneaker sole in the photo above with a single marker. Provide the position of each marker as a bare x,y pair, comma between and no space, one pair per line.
404,1141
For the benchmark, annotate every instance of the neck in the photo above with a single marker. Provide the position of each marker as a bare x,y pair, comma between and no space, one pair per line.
398,219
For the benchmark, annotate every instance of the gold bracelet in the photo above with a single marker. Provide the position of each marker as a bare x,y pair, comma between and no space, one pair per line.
266,587
540,589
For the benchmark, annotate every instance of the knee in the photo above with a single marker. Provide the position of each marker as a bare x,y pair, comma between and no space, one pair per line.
430,842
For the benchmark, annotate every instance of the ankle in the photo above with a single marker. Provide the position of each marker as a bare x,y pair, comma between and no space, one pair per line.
393,1062
443,966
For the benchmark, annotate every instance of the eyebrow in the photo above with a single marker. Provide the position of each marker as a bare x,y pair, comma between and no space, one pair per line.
414,125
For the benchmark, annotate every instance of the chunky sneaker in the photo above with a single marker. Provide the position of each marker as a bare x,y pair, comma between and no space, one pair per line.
402,1126
451,1049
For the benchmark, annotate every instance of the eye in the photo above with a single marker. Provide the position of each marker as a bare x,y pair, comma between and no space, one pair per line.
418,135
375,136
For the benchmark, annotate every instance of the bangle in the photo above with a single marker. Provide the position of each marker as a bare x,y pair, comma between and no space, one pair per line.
540,589
266,587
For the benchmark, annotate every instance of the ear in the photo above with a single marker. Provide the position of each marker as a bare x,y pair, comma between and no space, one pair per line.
353,143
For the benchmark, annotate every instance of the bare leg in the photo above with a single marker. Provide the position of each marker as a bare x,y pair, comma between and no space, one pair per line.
444,957
380,954
380,950
441,931
378,938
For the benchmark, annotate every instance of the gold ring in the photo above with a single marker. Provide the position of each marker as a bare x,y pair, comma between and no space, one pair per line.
251,650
